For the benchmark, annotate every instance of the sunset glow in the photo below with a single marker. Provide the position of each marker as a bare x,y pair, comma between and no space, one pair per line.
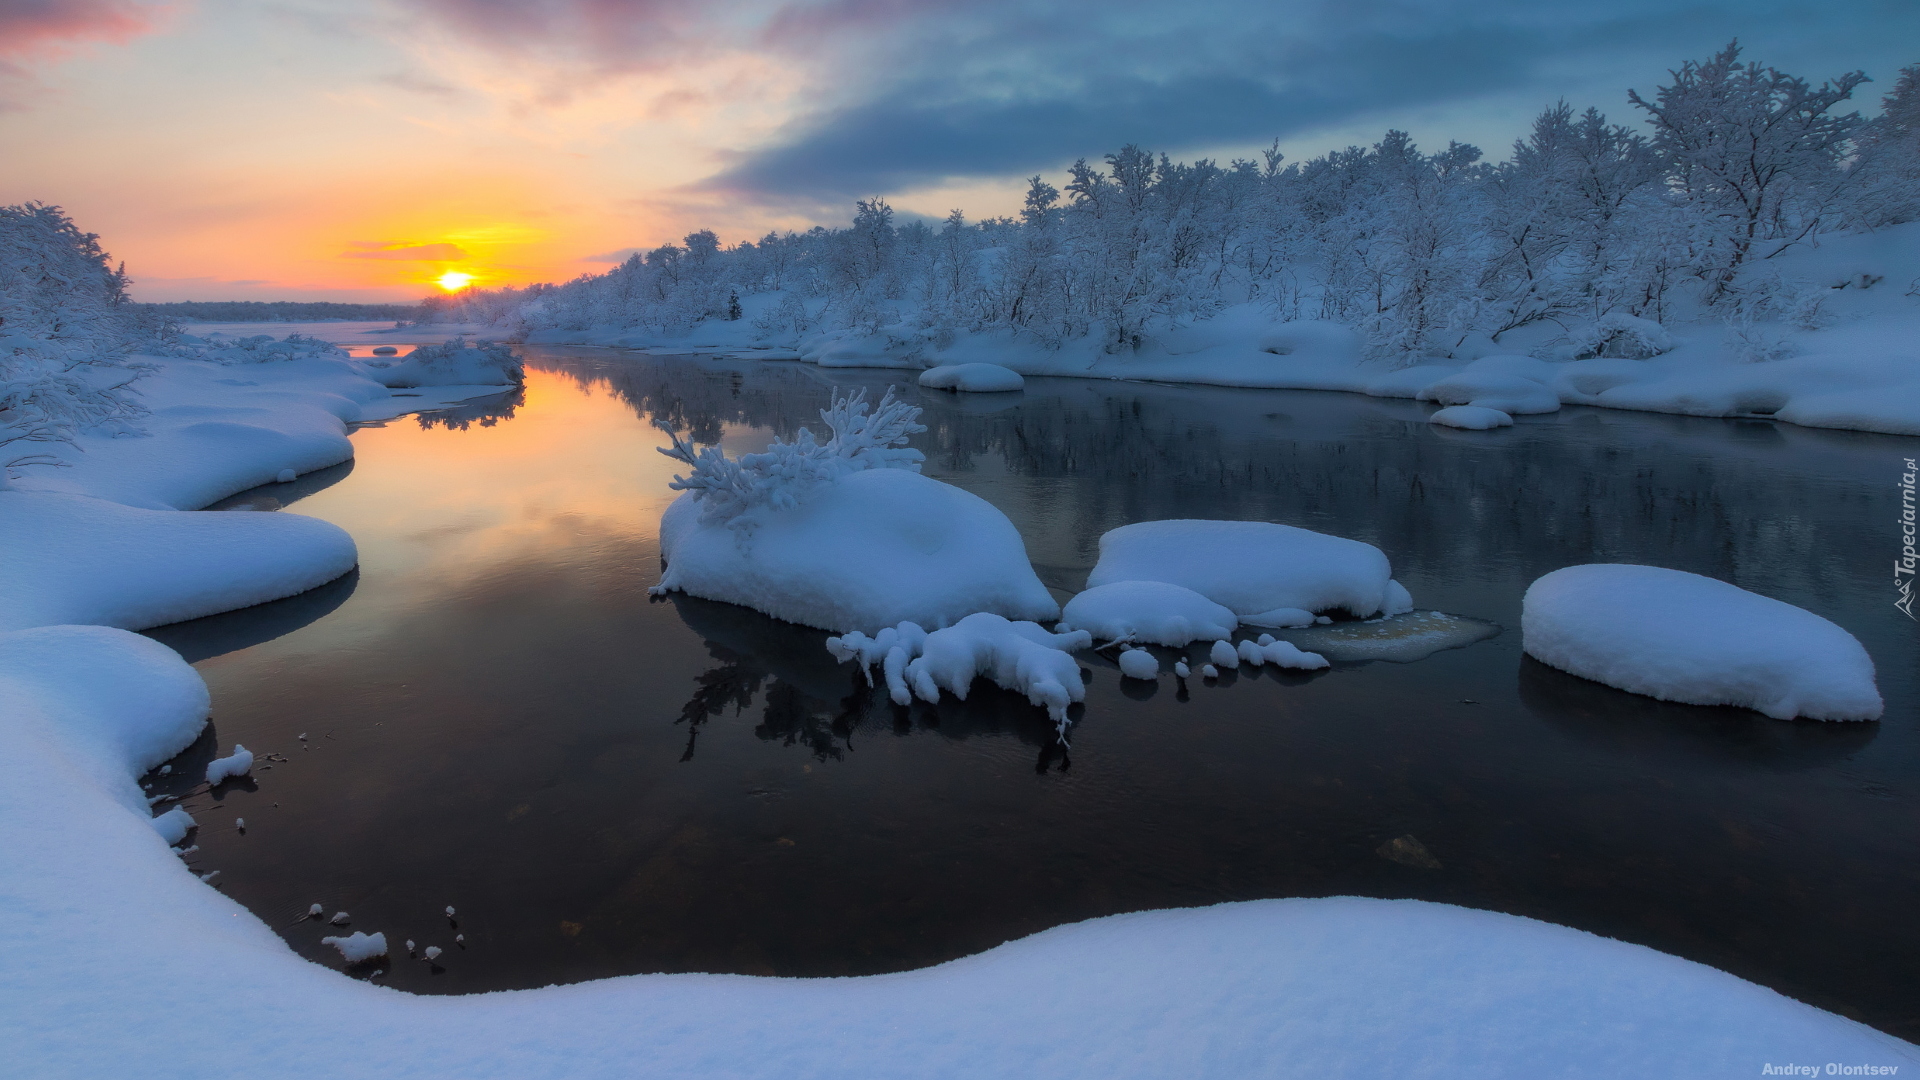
454,280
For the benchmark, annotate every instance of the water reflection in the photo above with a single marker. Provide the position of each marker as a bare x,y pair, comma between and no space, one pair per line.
486,412
504,722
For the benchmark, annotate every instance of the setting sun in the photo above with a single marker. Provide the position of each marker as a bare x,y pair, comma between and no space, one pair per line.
454,280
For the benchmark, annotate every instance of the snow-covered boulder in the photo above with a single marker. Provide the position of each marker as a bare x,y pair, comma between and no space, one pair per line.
357,947
456,363
1256,569
1282,654
1139,664
973,378
1682,637
1471,418
1154,612
238,763
845,534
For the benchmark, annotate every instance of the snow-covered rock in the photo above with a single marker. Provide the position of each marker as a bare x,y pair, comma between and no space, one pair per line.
1485,385
455,363
1471,418
1139,664
844,534
1154,612
1683,637
1253,568
238,763
1223,654
1020,656
174,825
973,378
358,947
1280,654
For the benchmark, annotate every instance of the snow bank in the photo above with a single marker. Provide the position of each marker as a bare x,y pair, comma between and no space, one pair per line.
1492,383
1254,568
1682,637
974,378
455,363
73,559
1154,612
100,927
1019,656
1471,417
844,534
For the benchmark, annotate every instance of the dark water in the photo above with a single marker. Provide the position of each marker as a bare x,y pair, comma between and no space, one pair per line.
498,718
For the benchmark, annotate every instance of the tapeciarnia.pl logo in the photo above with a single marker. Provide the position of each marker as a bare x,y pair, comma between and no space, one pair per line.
1903,567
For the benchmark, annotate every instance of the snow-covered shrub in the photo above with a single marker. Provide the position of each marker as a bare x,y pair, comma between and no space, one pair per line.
255,349
456,363
1620,336
863,438
66,328
1752,341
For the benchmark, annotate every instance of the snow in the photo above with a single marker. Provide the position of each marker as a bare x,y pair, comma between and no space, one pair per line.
357,947
1682,637
239,763
1266,988
173,825
846,534
1139,664
1020,656
1280,654
978,378
1471,417
1491,383
1223,654
1154,612
453,363
1181,670
1254,568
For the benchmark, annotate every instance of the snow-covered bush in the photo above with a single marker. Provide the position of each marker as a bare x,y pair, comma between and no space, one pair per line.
863,438
455,363
1752,341
66,328
254,349
1620,336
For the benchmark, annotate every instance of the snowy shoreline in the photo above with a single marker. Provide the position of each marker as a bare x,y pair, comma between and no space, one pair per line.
103,925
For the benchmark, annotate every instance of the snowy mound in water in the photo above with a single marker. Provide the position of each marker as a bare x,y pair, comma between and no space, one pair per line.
1471,417
845,534
1516,385
1020,656
455,363
1682,637
1266,574
974,378
1153,612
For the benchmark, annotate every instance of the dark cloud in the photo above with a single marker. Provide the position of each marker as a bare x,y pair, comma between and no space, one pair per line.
912,92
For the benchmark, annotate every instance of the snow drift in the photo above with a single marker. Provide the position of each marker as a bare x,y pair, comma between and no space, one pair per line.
1682,637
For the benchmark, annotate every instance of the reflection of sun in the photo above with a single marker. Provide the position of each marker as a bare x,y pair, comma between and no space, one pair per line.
454,280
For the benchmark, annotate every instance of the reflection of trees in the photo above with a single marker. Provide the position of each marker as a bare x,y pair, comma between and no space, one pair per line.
486,412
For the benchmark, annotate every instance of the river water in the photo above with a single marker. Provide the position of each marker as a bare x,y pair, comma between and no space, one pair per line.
499,718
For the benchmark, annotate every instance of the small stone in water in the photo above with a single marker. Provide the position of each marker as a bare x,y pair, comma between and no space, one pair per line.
340,918
433,952
315,911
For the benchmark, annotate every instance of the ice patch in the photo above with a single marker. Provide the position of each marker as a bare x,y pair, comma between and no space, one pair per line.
1251,567
1402,638
1471,418
1154,612
973,378
1681,637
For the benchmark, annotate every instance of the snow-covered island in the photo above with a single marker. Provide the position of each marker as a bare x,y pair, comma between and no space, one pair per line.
1638,282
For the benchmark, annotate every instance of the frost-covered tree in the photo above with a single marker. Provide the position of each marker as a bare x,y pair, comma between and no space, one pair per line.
66,328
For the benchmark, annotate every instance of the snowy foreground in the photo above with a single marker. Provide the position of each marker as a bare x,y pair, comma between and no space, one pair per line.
116,961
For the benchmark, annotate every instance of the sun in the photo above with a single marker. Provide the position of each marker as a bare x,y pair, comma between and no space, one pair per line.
454,280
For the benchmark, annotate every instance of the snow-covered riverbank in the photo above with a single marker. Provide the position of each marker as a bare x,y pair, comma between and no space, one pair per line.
119,961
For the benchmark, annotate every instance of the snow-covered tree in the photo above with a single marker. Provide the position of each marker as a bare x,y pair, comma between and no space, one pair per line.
66,328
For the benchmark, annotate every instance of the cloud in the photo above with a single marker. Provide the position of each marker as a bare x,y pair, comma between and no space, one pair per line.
35,33
903,94
376,249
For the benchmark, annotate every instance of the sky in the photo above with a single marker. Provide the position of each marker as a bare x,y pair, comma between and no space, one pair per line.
359,149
